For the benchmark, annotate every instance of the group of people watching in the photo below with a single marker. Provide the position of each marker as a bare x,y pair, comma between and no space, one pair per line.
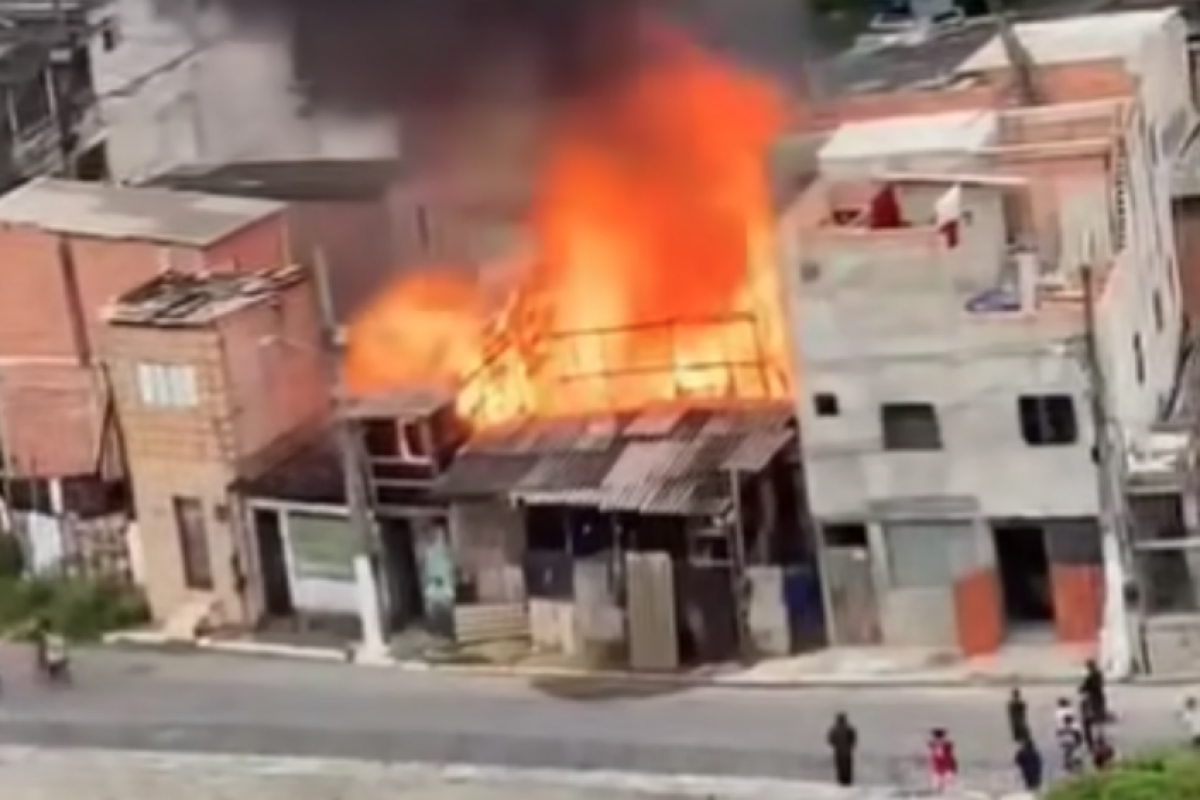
1080,734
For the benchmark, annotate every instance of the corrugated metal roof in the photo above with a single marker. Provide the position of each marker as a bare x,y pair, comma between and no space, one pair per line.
662,461
481,475
754,452
562,472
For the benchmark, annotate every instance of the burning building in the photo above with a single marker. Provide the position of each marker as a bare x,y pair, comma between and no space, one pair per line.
648,276
624,373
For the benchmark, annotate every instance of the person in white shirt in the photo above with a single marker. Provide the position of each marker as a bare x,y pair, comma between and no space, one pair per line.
1189,715
1063,712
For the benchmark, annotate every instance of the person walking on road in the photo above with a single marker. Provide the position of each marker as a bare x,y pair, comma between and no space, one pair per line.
1070,744
1018,716
843,740
943,762
1029,764
1094,692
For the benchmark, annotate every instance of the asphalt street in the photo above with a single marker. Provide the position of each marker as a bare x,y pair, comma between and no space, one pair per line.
226,704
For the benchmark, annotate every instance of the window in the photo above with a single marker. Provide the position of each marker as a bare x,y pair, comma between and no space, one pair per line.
851,535
1139,358
412,444
110,35
193,543
910,426
1159,320
1048,419
826,405
167,385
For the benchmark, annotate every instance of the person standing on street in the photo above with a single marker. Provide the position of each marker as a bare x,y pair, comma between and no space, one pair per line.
843,740
1029,764
1018,716
1189,715
1090,722
1070,744
1094,693
943,763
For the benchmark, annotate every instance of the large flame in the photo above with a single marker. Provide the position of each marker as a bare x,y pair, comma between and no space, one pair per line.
652,276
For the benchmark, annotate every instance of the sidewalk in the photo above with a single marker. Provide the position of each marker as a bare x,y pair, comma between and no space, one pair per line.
832,668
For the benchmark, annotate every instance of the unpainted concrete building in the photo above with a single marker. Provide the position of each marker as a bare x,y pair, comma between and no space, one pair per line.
179,84
936,281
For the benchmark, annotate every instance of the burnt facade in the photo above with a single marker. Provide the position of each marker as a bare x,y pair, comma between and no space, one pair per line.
639,537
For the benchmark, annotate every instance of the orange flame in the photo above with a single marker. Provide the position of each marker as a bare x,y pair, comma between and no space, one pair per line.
653,274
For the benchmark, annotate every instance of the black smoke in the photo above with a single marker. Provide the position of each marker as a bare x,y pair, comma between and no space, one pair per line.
402,55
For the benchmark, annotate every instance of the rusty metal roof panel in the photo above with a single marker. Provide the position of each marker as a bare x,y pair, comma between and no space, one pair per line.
744,420
753,452
654,423
567,472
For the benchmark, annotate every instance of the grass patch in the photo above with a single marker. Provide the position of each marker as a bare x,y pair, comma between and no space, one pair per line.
1166,775
79,609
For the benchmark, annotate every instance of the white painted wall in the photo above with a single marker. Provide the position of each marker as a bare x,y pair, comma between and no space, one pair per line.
175,92
1142,297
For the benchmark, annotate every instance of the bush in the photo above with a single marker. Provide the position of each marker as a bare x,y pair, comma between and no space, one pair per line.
81,610
1165,775
12,558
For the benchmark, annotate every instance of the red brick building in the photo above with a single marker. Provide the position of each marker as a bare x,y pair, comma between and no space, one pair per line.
70,248
214,377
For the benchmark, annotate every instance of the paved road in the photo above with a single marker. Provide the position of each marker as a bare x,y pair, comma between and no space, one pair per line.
209,703
32,774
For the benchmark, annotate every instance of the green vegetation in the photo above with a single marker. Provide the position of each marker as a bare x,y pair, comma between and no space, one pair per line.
1170,775
78,608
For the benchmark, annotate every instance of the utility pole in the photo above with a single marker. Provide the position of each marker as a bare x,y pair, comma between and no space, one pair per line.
1024,79
62,109
358,500
1117,635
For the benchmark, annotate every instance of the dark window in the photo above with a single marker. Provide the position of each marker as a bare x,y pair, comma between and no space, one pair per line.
110,35
827,405
193,543
910,426
845,534
413,445
1048,419
1159,320
1139,358
379,438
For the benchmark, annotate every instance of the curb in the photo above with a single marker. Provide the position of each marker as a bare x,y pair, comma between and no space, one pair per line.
154,640
354,657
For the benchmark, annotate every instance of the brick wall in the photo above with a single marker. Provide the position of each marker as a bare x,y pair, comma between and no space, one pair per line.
176,453
42,368
276,379
259,379
51,418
